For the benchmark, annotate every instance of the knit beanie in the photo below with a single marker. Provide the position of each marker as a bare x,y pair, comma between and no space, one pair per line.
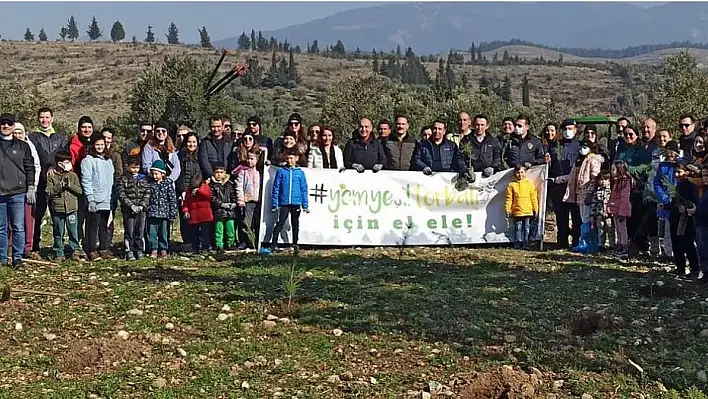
19,126
162,125
672,145
159,166
295,117
289,133
82,120
255,119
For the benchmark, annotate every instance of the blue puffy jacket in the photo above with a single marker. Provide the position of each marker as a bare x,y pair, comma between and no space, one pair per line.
290,188
665,174
449,160
97,181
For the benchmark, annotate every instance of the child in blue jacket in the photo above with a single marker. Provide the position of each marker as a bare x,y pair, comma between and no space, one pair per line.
289,197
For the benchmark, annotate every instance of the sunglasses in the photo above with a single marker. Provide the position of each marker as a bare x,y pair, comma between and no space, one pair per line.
252,124
160,131
227,126
146,130
590,132
248,138
630,134
294,123
315,131
684,125
7,123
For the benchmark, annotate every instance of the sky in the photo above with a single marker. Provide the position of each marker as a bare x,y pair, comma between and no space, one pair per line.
222,19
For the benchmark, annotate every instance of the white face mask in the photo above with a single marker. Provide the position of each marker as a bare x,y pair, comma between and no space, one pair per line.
65,166
584,151
519,130
568,134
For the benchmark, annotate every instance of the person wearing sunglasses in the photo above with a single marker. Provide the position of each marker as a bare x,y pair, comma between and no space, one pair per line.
161,147
134,148
295,129
591,135
523,147
687,127
254,125
227,126
17,173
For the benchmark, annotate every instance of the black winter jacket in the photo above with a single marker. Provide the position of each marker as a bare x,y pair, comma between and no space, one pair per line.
477,155
47,148
399,154
16,167
365,154
163,200
518,151
133,191
210,153
223,193
189,166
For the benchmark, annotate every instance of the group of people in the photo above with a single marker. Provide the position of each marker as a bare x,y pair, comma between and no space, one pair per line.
640,189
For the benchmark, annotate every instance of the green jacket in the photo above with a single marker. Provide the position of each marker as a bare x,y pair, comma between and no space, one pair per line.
63,200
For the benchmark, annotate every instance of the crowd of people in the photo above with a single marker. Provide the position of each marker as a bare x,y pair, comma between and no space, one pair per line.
641,191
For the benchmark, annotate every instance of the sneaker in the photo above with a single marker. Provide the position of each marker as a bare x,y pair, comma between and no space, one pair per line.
130,256
94,256
296,249
242,246
153,254
277,249
139,255
59,259
17,264
163,254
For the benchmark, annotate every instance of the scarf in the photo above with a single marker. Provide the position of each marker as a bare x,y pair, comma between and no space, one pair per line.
331,161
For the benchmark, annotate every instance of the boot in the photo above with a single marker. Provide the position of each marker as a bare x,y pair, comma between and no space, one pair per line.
582,246
593,240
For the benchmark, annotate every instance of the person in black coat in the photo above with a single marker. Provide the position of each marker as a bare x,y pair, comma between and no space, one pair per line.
479,151
215,148
523,147
364,152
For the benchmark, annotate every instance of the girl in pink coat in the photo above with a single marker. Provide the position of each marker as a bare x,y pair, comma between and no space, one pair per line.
620,206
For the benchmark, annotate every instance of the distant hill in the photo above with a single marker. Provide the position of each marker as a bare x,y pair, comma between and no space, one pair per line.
431,28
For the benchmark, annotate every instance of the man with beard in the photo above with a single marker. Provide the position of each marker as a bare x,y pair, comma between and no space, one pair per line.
17,175
400,147
687,125
134,148
364,152
480,152
47,142
255,126
215,148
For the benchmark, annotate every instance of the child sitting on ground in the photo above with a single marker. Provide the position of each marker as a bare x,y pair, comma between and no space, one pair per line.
162,208
521,206
134,197
289,197
248,188
224,206
197,211
600,215
63,192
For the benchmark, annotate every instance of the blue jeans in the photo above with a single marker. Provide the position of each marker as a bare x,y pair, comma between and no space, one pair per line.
702,244
12,210
522,228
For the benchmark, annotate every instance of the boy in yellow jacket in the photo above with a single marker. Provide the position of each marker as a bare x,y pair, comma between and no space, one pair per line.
521,206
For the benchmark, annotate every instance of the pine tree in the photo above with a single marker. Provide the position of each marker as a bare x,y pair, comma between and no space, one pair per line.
314,48
42,35
479,55
398,51
63,32
472,53
560,58
298,50
292,68
172,34
506,89
272,44
525,98
254,77
135,40
29,36
117,32
253,40
339,49
375,63
72,29
150,35
505,57
262,42
93,31
244,43
204,38
450,76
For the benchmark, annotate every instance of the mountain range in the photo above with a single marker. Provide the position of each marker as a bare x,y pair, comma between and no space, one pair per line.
431,28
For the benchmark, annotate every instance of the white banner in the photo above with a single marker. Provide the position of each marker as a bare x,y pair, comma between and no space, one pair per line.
400,208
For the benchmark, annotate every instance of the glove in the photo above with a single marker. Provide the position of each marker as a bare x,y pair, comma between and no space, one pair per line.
342,169
487,172
274,210
92,208
233,206
135,209
377,167
427,171
241,204
471,177
31,195
358,167
681,208
527,165
306,210
187,215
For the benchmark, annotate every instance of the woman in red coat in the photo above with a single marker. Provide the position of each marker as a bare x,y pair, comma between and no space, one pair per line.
197,211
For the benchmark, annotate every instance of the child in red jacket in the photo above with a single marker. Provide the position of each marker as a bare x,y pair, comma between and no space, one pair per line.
197,211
